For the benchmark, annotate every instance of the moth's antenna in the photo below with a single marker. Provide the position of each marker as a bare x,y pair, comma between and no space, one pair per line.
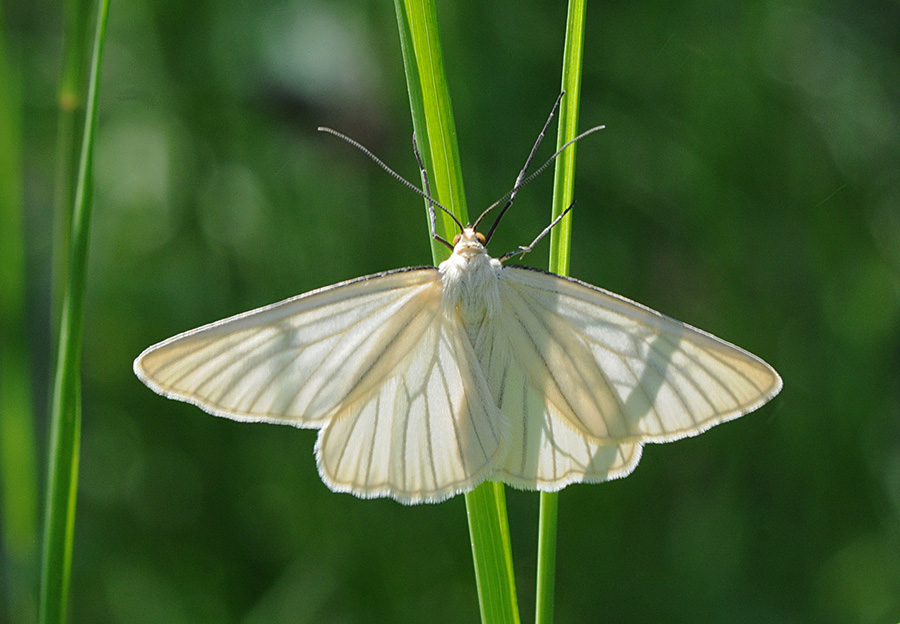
431,201
537,172
431,212
556,154
518,184
522,250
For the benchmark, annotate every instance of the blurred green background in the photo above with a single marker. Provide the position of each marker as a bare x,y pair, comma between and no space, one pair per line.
748,182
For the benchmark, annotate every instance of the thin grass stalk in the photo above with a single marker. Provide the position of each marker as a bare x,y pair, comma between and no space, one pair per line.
560,247
436,137
65,415
70,125
432,113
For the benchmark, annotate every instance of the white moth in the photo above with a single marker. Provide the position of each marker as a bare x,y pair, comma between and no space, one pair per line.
425,382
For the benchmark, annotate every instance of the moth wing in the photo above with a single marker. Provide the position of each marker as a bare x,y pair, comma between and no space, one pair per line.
429,431
299,360
619,372
545,451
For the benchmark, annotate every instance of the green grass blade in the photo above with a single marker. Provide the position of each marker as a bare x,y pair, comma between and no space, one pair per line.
65,415
564,172
436,135
546,558
18,468
560,245
70,125
492,553
432,112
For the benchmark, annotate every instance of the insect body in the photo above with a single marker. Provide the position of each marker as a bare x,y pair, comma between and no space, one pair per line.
425,382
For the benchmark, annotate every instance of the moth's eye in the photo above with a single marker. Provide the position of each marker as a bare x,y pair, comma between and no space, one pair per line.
480,238
456,239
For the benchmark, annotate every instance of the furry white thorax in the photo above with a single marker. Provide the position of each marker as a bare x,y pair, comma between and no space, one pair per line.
470,279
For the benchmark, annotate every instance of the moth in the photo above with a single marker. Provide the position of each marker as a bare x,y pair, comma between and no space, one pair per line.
424,382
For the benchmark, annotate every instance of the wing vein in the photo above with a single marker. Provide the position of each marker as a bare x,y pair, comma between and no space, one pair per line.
573,367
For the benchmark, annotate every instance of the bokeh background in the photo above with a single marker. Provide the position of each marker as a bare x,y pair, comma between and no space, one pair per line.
748,182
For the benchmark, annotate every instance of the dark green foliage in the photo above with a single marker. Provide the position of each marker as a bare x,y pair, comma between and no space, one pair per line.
747,183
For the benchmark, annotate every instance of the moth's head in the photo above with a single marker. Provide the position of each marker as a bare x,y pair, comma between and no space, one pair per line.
469,243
